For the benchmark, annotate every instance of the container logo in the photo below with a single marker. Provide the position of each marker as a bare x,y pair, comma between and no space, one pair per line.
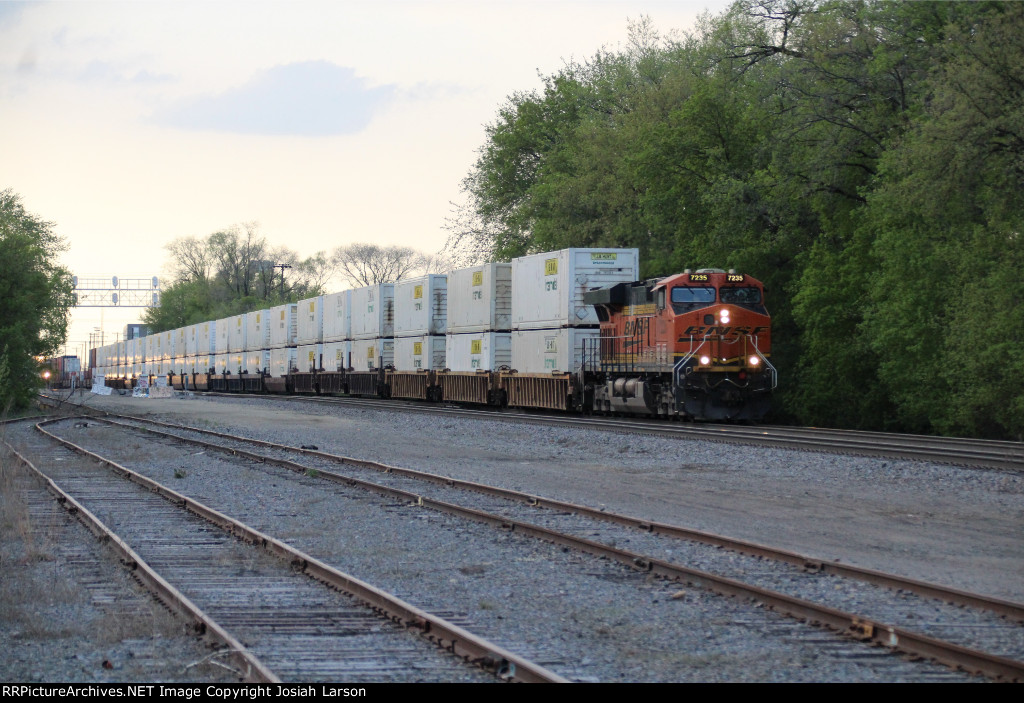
417,292
369,352
550,345
550,267
476,346
417,348
312,306
478,278
603,257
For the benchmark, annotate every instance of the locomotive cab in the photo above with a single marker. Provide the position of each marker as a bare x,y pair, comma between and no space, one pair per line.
696,344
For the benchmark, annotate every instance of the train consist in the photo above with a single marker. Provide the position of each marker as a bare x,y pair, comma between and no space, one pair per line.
572,330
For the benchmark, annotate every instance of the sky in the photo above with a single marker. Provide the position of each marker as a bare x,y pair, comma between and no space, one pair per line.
131,124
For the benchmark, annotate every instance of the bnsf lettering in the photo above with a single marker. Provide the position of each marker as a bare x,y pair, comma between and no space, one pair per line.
636,327
701,331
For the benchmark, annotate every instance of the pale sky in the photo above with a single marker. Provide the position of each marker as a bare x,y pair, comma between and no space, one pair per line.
130,124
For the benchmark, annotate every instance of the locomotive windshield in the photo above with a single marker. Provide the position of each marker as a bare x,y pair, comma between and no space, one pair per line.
744,296
686,298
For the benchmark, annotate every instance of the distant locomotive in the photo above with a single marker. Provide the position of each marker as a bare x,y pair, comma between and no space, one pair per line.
696,344
65,372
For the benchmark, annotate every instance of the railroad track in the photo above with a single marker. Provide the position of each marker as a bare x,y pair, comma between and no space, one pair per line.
285,605
983,637
988,454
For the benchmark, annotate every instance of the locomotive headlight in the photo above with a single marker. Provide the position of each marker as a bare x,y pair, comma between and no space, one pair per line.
705,360
754,361
723,317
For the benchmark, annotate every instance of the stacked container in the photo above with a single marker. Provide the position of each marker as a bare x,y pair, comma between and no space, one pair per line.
221,327
421,313
337,316
550,321
309,335
372,354
282,326
257,341
373,327
479,318
336,355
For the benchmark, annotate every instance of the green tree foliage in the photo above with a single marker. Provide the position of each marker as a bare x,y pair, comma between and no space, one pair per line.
862,158
35,297
230,272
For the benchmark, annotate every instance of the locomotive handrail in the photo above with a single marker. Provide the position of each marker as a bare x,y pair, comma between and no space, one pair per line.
764,359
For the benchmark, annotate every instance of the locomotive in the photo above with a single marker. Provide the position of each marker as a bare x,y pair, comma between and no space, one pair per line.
696,344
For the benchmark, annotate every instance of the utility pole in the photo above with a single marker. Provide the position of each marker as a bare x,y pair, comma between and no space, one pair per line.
282,267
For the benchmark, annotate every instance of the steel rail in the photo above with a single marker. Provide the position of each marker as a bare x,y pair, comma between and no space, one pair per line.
861,628
252,670
1009,609
446,635
991,454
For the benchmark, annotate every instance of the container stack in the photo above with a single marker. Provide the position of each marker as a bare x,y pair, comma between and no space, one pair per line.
282,339
256,356
309,333
550,321
373,327
421,314
337,316
479,318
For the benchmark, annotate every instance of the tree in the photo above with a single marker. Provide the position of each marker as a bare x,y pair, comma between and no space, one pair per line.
369,264
35,298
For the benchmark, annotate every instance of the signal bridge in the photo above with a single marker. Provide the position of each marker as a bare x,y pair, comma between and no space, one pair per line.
114,292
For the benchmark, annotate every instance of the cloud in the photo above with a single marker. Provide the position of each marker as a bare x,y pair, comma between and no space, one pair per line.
311,98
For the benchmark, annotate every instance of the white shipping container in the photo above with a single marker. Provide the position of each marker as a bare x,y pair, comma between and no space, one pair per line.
336,355
221,337
203,363
308,357
338,316
480,299
282,326
236,362
180,342
475,351
282,361
167,344
256,361
373,311
549,287
424,352
421,306
545,351
236,333
371,354
257,330
201,339
309,328
220,363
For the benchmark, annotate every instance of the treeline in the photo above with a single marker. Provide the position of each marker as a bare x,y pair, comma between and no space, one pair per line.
36,295
236,270
864,159
231,272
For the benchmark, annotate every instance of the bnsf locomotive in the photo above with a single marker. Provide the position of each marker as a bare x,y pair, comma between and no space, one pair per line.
695,344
